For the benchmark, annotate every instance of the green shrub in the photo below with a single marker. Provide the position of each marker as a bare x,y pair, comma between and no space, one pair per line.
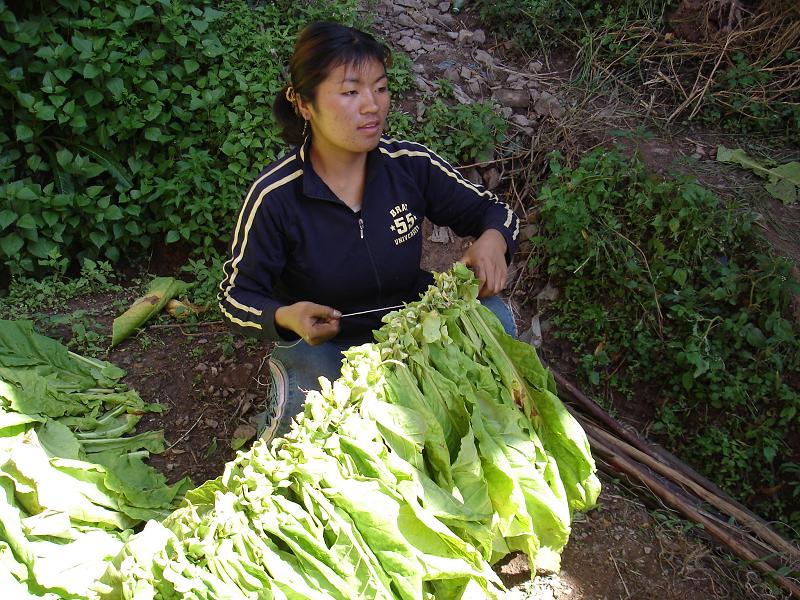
126,122
460,134
669,292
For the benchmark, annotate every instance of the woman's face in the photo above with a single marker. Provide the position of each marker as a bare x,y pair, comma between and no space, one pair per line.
350,109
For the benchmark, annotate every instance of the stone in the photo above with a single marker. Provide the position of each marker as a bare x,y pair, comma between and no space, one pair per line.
452,35
484,58
405,20
461,97
446,19
418,68
473,175
520,120
548,105
451,74
409,3
512,98
464,36
535,66
444,7
420,18
441,235
491,178
410,44
478,36
429,47
506,111
428,28
467,73
474,88
423,85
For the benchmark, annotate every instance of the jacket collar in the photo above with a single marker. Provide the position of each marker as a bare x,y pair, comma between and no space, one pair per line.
314,187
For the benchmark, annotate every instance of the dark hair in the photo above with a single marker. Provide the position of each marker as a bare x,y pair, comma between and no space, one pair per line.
321,47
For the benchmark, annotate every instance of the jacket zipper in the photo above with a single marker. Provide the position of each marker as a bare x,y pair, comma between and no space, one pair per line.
369,255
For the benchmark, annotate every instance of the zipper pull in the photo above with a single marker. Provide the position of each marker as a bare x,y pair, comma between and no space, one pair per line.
361,227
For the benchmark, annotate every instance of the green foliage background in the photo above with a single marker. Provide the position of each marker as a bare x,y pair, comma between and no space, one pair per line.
127,122
670,294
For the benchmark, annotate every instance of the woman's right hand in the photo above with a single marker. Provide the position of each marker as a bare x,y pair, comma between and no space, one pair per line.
314,323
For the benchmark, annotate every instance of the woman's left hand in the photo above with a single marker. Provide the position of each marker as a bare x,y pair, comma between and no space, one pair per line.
487,259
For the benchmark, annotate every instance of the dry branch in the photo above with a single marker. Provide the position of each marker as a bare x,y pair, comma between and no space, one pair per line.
676,484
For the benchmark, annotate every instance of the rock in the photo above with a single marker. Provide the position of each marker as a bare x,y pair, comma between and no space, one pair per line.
535,66
416,4
548,293
445,6
478,36
423,85
434,2
420,18
201,367
441,235
528,231
548,105
506,111
452,35
512,98
491,178
446,19
484,58
428,28
474,88
461,96
451,74
418,68
244,431
473,175
464,36
405,20
520,120
466,73
429,47
410,44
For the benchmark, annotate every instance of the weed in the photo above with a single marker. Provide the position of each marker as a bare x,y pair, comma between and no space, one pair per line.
666,288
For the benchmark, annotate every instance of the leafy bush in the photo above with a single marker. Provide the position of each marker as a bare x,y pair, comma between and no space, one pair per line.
533,24
126,122
459,133
671,292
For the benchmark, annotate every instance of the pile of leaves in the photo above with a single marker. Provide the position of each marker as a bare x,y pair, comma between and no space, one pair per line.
73,482
440,449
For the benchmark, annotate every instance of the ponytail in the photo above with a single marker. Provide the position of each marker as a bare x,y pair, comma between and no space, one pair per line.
292,124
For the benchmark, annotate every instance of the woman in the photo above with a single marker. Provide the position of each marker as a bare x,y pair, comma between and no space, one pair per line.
334,226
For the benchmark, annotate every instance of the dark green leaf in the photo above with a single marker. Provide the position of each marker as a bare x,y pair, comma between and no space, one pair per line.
98,238
11,244
172,236
142,12
7,217
26,221
24,133
93,97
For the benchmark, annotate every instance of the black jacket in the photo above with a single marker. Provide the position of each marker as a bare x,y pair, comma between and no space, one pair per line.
295,240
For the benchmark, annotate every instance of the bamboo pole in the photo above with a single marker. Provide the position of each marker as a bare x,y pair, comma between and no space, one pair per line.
660,489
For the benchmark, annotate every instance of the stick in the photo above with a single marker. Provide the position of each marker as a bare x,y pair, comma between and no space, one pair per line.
654,451
640,473
744,517
187,432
